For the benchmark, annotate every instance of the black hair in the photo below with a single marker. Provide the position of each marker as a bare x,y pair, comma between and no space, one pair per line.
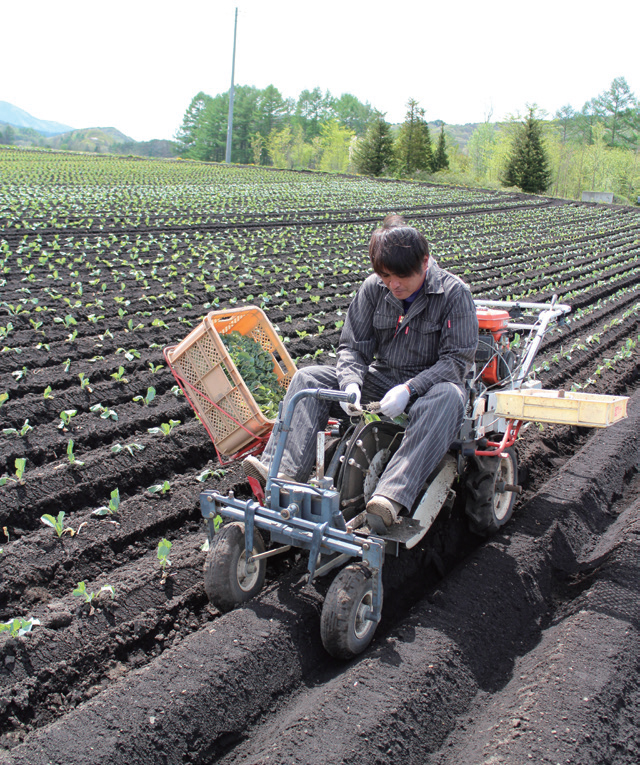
397,248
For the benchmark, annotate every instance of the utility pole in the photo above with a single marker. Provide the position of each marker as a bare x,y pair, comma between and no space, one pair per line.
233,68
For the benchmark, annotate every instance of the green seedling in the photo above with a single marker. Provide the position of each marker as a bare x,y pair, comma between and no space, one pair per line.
146,400
82,592
20,373
67,365
85,382
66,415
177,391
68,320
210,473
113,507
155,368
160,488
119,375
19,626
71,456
20,465
130,355
57,523
4,397
14,432
104,411
164,429
164,548
47,392
117,448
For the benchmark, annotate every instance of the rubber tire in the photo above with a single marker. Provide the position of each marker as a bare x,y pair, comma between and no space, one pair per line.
344,632
222,581
487,510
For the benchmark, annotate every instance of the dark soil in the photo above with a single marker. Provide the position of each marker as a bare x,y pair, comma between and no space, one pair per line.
522,648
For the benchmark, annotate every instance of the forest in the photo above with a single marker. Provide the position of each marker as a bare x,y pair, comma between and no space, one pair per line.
594,148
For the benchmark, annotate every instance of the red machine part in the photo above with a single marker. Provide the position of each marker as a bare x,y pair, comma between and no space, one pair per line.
493,322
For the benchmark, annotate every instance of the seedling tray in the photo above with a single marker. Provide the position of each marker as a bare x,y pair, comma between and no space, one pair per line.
214,387
562,407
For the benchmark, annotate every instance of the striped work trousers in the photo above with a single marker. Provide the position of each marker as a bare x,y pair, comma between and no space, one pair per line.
434,421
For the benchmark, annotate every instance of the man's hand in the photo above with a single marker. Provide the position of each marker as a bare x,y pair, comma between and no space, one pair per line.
354,408
395,401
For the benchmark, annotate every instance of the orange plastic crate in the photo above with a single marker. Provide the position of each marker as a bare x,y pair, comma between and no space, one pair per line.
213,384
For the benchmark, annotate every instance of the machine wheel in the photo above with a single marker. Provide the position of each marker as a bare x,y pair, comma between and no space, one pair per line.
344,629
228,581
488,505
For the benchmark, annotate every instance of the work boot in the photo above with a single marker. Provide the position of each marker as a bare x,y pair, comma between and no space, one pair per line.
253,468
382,512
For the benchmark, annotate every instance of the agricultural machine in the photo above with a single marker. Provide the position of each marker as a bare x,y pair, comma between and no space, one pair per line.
326,517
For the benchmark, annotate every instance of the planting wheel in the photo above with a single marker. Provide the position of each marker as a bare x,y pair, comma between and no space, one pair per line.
489,502
228,579
344,628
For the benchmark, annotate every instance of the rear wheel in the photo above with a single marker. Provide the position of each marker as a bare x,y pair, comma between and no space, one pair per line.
489,502
344,627
228,579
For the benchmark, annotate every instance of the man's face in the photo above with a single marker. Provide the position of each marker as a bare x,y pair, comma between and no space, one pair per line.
402,287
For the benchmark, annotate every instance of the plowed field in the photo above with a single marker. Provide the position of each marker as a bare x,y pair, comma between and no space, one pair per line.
521,648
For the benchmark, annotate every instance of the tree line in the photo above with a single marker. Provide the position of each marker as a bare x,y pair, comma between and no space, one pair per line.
596,148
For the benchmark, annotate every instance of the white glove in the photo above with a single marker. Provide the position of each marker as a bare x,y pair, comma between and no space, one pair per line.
352,408
395,401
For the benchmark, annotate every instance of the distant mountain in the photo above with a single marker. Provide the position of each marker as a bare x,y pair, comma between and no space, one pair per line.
12,115
98,139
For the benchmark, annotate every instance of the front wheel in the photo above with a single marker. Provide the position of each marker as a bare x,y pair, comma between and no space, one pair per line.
344,627
489,501
228,579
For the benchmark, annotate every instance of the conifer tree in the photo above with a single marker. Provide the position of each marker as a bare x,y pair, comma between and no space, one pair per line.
441,160
528,165
413,146
374,154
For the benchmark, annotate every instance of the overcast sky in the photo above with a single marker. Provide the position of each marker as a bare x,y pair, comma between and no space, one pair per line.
136,64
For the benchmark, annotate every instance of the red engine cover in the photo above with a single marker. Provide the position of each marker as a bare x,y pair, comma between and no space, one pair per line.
492,320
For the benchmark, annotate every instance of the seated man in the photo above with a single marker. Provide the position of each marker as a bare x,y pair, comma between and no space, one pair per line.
408,341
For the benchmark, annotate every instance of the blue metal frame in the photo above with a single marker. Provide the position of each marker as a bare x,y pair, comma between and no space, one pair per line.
300,515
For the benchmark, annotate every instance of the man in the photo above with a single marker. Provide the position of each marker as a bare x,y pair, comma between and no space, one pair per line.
408,341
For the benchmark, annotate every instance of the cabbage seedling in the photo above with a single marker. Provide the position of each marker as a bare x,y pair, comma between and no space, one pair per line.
47,392
57,523
146,400
160,488
85,382
164,429
71,456
113,507
4,397
104,411
119,375
20,465
82,592
22,432
65,417
18,626
164,548
117,448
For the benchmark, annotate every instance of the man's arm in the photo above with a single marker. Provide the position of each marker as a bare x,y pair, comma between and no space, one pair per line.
357,341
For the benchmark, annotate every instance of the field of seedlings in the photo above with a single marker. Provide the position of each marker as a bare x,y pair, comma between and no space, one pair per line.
521,648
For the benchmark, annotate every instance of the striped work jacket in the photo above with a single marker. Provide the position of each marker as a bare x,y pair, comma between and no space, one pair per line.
435,341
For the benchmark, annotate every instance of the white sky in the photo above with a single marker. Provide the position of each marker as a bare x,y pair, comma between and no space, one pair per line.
136,64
